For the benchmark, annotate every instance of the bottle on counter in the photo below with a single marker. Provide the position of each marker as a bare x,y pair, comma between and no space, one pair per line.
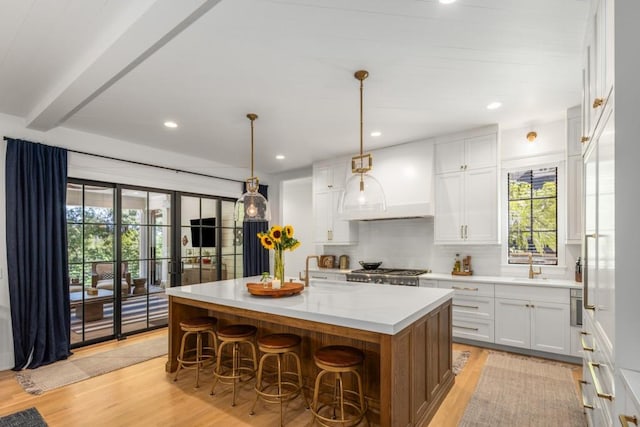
457,265
579,270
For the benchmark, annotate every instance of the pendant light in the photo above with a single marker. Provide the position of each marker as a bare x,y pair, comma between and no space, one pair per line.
362,194
252,206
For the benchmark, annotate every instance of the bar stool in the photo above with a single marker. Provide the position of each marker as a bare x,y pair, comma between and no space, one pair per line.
285,389
338,360
235,335
200,356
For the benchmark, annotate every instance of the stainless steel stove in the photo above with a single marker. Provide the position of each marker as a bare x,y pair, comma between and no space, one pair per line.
390,276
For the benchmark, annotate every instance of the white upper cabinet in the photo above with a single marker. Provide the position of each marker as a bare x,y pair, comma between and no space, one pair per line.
598,63
405,173
328,183
471,153
574,177
466,193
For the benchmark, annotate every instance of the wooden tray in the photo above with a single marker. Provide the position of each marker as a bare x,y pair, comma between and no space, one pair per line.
286,289
462,273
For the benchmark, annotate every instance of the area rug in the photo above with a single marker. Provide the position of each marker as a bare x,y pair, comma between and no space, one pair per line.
520,391
460,359
133,310
27,418
74,369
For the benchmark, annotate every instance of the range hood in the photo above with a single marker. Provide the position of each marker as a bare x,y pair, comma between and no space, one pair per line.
414,210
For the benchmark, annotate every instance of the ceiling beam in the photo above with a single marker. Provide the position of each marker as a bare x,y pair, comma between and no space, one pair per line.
163,21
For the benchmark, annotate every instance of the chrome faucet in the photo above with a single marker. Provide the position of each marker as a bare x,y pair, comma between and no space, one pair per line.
532,272
306,269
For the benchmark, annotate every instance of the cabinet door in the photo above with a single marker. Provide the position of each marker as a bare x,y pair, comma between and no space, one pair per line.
513,323
576,341
481,152
574,199
339,175
448,223
481,206
450,156
574,146
605,240
550,326
321,210
322,179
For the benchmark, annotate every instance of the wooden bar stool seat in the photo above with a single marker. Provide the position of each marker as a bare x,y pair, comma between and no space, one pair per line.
288,384
235,335
201,355
345,407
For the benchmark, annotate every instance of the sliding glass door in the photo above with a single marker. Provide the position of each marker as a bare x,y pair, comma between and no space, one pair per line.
91,236
123,253
210,240
145,251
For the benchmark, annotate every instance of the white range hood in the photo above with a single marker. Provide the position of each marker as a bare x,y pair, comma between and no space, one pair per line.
406,174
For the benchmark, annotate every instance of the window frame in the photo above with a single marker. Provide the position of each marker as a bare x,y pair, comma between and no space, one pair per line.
561,210
529,200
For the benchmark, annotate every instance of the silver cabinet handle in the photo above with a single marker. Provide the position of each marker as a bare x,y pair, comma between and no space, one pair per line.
466,306
596,382
626,419
584,402
464,289
329,235
465,327
462,232
465,232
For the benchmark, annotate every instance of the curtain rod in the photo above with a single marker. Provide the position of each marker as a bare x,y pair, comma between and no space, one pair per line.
6,138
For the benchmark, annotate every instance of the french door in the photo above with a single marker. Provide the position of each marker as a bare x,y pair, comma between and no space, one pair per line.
119,246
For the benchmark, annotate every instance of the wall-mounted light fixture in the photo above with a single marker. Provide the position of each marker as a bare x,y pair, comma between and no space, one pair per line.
531,136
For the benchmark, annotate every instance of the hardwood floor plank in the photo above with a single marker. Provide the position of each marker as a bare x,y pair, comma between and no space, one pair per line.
145,395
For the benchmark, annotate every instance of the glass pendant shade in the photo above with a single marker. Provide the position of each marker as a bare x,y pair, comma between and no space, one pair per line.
252,206
362,195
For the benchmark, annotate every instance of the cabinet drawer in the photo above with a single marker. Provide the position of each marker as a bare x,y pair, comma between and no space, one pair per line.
474,307
533,293
473,329
328,275
428,283
469,288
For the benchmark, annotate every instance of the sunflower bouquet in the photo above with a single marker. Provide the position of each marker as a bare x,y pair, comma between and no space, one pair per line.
279,239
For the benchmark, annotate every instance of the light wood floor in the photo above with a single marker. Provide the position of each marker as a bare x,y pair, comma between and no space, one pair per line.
144,395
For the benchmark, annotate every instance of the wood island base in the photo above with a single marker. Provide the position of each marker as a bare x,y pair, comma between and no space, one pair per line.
406,375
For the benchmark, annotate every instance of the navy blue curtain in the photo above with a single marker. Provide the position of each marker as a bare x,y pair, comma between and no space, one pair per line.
36,192
255,258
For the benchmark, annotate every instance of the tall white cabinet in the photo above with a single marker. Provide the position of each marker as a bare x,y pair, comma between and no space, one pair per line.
466,190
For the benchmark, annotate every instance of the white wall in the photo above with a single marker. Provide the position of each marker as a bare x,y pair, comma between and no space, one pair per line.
296,211
88,167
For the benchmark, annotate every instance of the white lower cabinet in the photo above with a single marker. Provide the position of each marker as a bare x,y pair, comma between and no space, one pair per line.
472,310
577,338
630,410
533,318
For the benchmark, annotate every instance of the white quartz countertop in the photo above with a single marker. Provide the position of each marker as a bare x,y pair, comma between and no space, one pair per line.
377,308
557,283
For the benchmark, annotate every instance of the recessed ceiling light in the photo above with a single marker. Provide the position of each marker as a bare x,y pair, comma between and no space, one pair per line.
376,133
494,105
280,156
171,124
447,1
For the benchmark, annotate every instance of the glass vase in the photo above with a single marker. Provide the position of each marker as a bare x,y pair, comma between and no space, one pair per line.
278,266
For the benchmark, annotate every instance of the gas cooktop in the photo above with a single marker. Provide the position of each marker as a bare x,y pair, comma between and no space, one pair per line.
391,276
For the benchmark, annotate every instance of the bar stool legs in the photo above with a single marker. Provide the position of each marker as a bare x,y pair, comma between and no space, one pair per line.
235,335
340,411
200,356
279,346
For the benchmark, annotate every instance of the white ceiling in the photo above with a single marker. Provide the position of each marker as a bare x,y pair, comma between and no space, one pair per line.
120,68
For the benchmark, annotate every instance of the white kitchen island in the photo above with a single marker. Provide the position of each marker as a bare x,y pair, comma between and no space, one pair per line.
405,333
